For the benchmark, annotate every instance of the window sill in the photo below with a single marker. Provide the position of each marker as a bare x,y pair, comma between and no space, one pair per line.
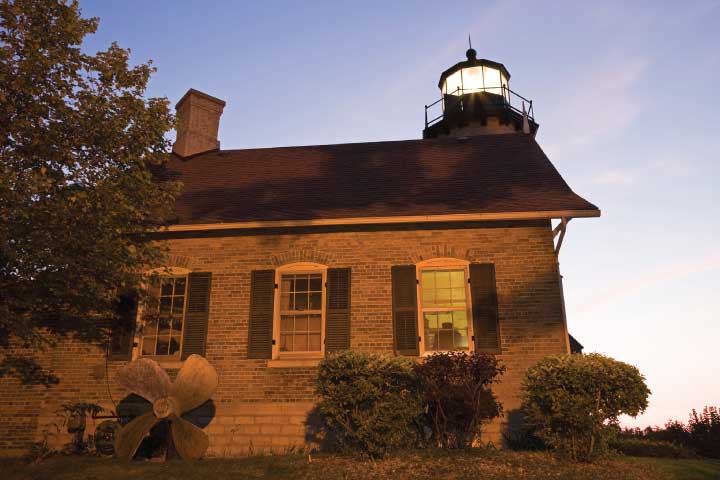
293,362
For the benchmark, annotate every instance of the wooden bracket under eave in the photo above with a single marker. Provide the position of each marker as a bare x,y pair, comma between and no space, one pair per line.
560,229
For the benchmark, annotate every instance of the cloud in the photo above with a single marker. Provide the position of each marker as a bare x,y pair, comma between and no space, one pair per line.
599,104
615,177
708,261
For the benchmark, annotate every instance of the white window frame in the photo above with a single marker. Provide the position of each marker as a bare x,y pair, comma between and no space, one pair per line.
292,269
162,272
444,264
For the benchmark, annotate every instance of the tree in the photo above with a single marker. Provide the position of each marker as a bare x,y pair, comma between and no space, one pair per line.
570,400
78,141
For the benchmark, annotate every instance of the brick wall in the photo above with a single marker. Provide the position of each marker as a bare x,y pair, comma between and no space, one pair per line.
257,408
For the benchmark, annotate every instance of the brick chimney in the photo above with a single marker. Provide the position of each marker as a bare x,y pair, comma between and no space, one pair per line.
198,119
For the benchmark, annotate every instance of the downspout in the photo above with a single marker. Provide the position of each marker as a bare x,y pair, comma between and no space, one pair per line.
560,229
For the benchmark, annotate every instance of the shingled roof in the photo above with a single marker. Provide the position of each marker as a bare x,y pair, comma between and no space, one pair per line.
489,174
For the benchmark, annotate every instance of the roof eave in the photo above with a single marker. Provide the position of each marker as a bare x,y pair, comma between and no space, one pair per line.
457,217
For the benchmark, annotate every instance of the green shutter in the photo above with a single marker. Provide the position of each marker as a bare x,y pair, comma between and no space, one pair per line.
337,313
485,308
262,306
197,312
122,327
404,300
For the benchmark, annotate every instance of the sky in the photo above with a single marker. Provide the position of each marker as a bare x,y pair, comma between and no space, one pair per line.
625,94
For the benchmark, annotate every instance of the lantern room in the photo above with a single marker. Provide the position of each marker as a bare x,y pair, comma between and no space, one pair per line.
475,99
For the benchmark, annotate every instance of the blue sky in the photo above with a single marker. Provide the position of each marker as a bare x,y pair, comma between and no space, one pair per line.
626,94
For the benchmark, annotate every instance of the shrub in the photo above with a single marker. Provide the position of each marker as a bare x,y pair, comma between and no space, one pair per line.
570,399
456,386
640,447
369,403
701,434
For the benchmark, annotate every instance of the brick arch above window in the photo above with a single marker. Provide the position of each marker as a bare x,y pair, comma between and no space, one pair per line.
434,252
181,261
309,255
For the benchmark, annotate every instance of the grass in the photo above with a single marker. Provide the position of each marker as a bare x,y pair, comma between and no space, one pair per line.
485,464
704,469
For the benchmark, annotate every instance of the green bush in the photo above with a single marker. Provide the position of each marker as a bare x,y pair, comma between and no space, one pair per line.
370,404
701,434
456,386
638,447
569,400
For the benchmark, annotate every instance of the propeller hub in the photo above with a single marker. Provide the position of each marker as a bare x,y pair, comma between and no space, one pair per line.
164,407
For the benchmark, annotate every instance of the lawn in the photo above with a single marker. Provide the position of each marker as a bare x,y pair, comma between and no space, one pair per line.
682,469
485,464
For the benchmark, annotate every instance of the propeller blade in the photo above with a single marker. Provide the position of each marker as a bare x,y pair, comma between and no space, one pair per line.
131,435
195,383
146,378
190,441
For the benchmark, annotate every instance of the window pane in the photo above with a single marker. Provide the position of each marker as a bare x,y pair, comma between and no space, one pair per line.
472,79
314,323
492,80
461,339
174,344
444,320
167,286
301,283
428,280
445,339
286,324
148,346
428,296
163,345
177,324
457,278
287,284
316,283
286,343
165,304
301,323
300,343
430,321
178,304
458,297
164,325
452,83
431,340
442,279
442,296
180,286
301,301
285,299
316,301
314,342
460,319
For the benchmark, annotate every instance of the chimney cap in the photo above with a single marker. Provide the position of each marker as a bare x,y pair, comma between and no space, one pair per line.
192,92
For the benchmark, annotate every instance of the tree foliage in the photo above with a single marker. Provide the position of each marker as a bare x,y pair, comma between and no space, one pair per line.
569,400
456,387
78,140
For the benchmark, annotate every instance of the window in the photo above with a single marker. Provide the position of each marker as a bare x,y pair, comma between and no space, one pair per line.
163,316
300,315
444,307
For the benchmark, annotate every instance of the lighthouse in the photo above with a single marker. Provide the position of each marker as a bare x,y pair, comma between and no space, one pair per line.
476,99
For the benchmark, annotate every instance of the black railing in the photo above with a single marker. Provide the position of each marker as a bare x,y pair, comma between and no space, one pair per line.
511,100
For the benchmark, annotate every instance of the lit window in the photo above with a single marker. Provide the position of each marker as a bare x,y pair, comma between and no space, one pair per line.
163,316
301,312
444,309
